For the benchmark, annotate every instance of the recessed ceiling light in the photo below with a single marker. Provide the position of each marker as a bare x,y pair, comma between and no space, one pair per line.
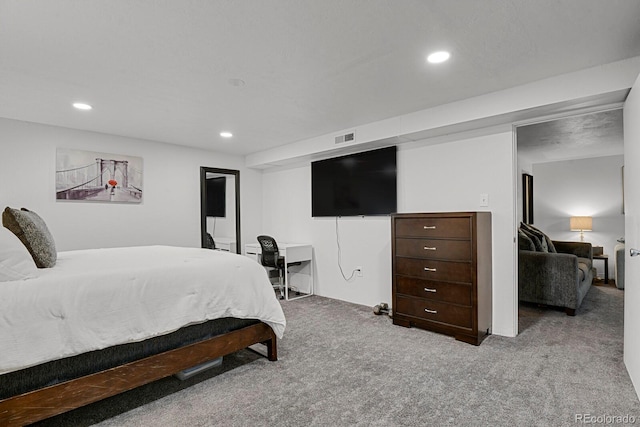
438,57
226,134
82,106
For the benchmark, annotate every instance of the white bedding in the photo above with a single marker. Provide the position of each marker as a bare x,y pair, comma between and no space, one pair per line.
97,298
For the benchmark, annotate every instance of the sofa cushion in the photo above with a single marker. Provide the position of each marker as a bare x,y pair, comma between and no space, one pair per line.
544,239
585,261
583,269
550,246
524,242
541,245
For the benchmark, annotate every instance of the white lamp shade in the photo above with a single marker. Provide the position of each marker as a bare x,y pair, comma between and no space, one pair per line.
581,223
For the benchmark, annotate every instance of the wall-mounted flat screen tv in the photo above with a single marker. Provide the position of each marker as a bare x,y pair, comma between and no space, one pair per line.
216,196
356,184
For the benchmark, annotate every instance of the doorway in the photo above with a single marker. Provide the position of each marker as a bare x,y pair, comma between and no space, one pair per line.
576,164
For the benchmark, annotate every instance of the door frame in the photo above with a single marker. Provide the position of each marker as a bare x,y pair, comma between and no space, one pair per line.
516,178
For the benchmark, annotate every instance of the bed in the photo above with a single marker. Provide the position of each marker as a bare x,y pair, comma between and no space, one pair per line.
104,321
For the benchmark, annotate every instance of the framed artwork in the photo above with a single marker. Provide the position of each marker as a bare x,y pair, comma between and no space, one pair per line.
98,177
527,198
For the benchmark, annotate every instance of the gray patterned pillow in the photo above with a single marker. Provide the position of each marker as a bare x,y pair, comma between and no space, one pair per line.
544,239
535,239
524,242
33,233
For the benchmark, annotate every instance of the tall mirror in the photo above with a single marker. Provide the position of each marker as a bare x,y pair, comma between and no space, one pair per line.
220,209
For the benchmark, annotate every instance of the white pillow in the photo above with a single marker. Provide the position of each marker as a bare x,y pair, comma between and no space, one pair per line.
16,263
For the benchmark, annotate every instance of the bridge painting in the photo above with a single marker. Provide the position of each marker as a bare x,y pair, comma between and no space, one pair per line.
102,177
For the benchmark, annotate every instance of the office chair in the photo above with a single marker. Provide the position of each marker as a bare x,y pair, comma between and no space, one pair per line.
271,258
209,242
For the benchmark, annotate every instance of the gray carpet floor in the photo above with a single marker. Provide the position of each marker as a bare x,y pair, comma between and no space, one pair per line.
341,365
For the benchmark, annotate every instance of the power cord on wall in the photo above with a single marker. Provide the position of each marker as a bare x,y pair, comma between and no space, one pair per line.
350,278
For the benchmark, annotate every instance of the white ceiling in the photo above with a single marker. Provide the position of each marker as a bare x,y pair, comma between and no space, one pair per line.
163,70
598,134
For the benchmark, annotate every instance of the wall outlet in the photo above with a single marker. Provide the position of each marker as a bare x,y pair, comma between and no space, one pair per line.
359,271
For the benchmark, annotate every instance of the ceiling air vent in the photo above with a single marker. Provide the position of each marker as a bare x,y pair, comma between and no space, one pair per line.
347,137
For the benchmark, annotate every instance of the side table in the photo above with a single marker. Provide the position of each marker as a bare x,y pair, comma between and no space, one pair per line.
605,258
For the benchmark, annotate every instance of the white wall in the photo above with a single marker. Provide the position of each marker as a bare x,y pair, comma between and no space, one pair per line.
169,213
451,177
584,187
433,175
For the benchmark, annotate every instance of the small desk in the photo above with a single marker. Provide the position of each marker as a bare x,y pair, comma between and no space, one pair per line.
227,244
292,252
606,266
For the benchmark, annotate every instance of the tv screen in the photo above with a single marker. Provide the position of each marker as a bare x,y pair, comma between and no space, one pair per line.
357,184
216,196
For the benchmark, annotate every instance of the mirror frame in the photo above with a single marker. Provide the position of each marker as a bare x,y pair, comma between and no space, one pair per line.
203,197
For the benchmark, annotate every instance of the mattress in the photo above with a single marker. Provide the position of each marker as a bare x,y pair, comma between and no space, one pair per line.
94,299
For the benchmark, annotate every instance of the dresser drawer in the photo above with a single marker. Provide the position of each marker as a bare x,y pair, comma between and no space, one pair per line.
458,250
458,228
434,270
457,293
434,310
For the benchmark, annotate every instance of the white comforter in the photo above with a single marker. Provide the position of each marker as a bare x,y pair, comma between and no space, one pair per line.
97,298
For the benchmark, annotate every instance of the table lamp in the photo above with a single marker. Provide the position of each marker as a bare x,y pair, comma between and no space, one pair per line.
581,224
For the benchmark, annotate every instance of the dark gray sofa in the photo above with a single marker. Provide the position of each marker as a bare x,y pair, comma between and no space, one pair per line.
561,278
618,269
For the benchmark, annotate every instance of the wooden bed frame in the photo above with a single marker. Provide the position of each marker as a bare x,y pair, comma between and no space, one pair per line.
49,401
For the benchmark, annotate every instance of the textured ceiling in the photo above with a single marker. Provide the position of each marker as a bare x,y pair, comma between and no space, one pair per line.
164,70
589,135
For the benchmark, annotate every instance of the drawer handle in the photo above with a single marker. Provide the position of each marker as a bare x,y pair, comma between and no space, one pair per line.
427,248
429,269
430,290
431,311
429,227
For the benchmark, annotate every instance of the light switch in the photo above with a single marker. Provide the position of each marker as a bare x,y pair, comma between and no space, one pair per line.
484,200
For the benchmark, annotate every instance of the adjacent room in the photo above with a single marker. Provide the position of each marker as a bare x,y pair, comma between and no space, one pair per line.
337,212
572,183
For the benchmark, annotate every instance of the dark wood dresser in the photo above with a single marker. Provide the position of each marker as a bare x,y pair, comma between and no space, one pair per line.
442,273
